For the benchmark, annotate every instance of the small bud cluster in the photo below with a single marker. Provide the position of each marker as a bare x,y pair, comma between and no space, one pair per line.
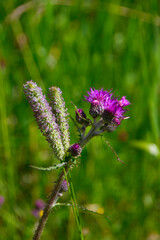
105,105
45,118
107,113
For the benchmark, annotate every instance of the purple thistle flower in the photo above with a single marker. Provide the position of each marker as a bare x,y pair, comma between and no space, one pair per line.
123,102
98,95
105,104
75,150
45,118
97,99
113,110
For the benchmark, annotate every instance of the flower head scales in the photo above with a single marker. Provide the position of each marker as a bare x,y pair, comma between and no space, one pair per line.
97,99
113,109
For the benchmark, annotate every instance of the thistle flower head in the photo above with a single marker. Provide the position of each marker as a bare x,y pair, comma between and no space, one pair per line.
75,150
45,118
97,99
106,105
114,111
96,96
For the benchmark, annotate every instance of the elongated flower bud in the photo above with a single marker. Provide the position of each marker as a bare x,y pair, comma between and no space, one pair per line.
81,117
58,108
45,118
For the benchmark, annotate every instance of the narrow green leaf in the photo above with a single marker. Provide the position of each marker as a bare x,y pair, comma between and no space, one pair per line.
112,149
83,209
74,203
49,168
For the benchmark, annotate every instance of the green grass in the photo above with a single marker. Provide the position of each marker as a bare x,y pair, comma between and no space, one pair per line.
75,47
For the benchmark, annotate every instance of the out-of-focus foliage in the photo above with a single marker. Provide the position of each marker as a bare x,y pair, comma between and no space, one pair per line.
76,45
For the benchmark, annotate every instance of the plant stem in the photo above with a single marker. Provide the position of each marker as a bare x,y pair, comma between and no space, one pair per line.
52,200
91,133
74,204
55,193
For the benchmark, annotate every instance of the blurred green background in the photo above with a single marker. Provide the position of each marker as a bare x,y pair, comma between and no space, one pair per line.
76,45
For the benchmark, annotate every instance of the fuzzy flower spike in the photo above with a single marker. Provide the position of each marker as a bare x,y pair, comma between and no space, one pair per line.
58,108
45,118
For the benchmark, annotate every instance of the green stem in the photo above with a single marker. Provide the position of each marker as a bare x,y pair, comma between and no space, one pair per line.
52,200
74,203
91,133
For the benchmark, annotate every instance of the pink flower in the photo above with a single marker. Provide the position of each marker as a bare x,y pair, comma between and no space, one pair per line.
106,105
